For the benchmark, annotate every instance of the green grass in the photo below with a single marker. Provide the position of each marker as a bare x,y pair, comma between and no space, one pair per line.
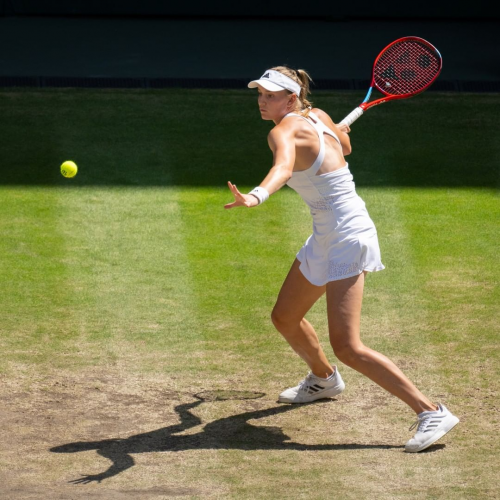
130,280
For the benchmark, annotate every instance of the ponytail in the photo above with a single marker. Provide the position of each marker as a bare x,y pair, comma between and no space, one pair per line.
303,79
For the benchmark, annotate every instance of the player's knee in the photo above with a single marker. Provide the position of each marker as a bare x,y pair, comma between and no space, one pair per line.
347,353
280,320
276,318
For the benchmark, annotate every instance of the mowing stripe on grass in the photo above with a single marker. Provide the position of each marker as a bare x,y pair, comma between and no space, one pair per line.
80,278
238,260
139,284
454,239
36,310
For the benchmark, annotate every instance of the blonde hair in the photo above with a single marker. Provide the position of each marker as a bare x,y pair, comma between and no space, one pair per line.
303,79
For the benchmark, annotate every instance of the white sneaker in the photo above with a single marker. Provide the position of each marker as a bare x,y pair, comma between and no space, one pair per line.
432,425
312,388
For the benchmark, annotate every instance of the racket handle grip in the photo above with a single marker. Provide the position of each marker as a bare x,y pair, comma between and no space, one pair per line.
352,116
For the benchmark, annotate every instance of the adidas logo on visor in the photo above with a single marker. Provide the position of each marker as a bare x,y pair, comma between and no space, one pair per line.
277,81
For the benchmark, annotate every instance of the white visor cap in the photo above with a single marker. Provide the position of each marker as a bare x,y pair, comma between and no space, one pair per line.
275,81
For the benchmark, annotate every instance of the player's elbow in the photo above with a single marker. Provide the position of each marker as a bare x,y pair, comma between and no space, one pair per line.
346,150
284,173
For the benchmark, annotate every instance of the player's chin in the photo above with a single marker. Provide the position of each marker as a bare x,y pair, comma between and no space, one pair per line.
264,115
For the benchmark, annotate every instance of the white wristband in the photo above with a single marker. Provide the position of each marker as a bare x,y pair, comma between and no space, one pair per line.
262,194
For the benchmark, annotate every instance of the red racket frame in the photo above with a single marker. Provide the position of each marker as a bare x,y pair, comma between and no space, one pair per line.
389,97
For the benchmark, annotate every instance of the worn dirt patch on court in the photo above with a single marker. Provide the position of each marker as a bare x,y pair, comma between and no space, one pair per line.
109,434
58,432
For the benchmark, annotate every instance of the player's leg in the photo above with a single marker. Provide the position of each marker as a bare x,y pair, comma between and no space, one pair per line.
344,300
296,297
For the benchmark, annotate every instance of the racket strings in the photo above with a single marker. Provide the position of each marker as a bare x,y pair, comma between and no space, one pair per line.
407,67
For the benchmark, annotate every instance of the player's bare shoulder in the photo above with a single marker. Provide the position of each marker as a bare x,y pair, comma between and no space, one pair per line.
282,133
324,117
285,129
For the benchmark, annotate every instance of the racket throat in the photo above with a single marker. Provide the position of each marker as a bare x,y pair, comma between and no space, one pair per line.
366,105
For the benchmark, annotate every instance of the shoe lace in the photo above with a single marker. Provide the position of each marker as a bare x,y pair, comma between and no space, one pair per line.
304,384
421,422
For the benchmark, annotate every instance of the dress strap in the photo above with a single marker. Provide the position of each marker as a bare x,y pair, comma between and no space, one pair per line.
321,155
323,127
314,122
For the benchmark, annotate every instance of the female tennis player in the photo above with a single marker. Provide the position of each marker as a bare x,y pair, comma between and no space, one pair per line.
309,150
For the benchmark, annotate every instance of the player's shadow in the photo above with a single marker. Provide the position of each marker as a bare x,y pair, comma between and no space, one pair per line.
234,432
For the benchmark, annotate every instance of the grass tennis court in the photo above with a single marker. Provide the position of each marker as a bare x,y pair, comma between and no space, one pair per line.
129,296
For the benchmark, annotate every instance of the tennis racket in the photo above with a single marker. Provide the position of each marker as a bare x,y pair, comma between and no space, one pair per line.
403,69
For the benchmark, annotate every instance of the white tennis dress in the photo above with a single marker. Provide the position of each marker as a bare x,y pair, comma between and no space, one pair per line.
344,242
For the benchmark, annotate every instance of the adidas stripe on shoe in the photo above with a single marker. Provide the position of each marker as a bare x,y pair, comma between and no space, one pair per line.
432,425
313,388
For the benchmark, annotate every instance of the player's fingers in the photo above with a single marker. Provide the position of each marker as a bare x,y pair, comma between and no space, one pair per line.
236,194
235,190
235,203
343,127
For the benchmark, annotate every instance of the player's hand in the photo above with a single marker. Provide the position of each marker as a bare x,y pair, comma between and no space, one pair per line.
241,200
343,127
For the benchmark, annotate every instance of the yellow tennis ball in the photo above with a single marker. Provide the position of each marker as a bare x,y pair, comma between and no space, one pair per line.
69,169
